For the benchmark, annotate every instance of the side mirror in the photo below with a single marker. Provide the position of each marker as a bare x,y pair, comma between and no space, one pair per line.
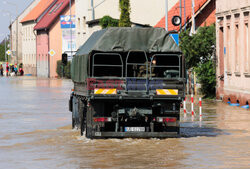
176,20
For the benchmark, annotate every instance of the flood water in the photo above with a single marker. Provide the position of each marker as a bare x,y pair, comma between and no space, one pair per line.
35,132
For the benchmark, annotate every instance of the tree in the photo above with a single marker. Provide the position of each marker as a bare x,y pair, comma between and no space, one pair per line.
198,50
108,21
199,47
124,6
2,52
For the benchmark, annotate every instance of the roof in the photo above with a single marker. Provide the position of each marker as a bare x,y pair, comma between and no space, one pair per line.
124,39
121,40
52,14
175,10
38,10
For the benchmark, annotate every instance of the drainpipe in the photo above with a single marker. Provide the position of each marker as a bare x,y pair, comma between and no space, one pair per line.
48,54
35,33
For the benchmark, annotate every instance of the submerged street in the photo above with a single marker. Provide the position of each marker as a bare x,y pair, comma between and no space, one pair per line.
35,132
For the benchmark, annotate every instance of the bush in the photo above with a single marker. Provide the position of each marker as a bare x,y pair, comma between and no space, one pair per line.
108,21
66,69
207,77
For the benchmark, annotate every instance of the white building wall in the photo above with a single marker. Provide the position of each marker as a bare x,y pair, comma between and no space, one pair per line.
234,19
81,17
142,11
29,48
13,34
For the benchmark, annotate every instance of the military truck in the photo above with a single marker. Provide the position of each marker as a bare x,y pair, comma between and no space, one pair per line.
128,82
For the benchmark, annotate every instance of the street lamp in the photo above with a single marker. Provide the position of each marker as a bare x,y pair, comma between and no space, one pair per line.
15,5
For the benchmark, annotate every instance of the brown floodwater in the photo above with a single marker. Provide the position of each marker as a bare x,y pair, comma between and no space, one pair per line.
35,132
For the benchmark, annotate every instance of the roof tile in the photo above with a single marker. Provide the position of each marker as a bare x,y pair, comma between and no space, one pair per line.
175,11
49,18
38,10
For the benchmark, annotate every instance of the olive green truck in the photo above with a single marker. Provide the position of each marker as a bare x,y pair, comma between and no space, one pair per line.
128,82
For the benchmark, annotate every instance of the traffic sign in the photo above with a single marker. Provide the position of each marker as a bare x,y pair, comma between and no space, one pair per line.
52,52
8,52
175,38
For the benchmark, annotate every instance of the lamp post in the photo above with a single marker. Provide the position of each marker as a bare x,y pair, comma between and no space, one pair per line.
70,28
15,5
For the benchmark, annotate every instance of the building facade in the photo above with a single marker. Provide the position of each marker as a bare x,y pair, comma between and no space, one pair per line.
204,11
16,35
29,36
233,54
142,11
49,38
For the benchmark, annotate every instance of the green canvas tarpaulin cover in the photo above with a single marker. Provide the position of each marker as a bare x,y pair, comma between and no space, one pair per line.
150,40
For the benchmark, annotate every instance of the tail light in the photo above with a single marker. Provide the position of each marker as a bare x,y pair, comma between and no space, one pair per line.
166,119
102,119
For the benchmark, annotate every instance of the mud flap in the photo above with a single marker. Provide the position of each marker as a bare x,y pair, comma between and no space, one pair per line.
70,103
89,122
75,115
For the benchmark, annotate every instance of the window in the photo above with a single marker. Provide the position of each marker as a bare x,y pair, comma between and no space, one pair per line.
246,53
137,65
84,23
107,65
228,49
165,65
237,48
55,8
79,23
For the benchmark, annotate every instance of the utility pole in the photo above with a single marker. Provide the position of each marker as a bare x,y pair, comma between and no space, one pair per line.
166,15
181,14
93,9
70,29
185,14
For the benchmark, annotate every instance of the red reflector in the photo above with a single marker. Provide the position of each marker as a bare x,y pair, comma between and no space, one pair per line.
166,119
102,119
169,119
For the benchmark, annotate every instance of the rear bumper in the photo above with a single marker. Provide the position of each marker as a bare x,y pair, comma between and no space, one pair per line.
135,134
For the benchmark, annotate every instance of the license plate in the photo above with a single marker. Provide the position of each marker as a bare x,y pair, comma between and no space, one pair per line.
134,129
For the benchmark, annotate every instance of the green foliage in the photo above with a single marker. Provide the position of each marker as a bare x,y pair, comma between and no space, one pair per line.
207,77
199,47
198,50
66,69
124,6
2,52
108,21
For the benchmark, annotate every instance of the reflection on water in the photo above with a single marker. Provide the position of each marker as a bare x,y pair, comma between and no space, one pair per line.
36,133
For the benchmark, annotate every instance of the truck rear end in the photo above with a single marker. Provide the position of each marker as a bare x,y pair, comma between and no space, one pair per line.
131,93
